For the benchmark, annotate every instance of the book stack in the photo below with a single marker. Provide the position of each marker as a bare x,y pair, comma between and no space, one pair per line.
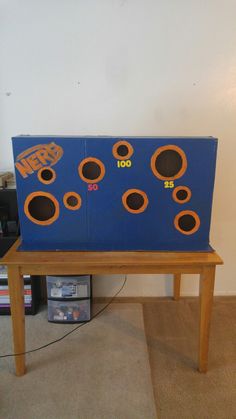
29,286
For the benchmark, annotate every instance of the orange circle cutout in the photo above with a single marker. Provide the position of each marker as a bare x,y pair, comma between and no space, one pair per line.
48,196
74,195
97,162
48,169
115,150
158,153
192,214
181,188
127,194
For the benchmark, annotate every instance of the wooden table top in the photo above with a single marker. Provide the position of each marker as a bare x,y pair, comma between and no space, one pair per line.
107,262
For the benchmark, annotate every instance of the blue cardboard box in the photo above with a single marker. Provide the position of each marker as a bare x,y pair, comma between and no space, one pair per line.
115,193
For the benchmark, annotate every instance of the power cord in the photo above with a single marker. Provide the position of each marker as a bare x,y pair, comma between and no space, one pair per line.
73,330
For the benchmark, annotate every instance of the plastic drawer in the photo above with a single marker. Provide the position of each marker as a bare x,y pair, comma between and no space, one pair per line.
63,287
69,311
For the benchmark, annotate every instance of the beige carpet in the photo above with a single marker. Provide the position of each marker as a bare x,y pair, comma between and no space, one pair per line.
99,372
180,391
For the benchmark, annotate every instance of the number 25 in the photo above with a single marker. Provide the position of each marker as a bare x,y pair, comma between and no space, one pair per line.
169,184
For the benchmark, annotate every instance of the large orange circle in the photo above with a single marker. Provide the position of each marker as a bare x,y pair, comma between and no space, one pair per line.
47,195
115,150
158,152
187,212
68,195
94,160
40,178
181,188
129,192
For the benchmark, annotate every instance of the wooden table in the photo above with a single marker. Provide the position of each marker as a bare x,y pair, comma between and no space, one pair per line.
73,263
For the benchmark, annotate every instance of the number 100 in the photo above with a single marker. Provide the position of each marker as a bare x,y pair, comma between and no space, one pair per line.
124,163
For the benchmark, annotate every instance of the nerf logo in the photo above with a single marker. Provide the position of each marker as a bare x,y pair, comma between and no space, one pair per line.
34,158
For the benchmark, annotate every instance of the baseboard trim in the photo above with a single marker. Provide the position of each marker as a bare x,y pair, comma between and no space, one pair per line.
140,300
143,300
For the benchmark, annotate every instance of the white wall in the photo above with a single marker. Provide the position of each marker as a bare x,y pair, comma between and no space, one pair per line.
127,67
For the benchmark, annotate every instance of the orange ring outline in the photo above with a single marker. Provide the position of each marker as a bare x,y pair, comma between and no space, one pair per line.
159,151
46,182
180,188
34,220
76,195
100,164
130,191
117,145
187,212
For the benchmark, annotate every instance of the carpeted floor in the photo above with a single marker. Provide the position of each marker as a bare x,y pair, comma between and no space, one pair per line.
172,335
99,372
102,371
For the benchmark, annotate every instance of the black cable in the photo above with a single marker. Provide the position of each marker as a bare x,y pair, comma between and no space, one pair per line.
73,330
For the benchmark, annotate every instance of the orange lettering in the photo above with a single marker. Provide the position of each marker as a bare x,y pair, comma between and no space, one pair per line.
42,156
34,163
55,150
49,155
43,153
24,168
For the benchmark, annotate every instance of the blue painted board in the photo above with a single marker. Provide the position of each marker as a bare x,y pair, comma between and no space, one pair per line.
102,222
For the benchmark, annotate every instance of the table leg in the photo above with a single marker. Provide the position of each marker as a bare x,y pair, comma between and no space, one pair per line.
16,292
207,280
177,281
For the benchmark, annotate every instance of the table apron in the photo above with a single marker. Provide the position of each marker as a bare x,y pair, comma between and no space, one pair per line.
108,269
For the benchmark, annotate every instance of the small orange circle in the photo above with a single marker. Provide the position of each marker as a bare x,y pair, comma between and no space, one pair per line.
177,190
116,150
88,161
138,194
164,149
191,214
72,206
50,197
46,175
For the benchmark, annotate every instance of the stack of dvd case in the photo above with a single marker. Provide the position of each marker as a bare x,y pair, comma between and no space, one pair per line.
31,293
